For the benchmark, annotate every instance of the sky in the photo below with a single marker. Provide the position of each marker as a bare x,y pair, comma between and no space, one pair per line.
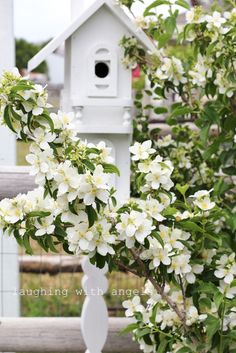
39,20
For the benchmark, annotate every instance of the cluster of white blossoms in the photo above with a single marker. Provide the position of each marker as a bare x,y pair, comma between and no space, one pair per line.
165,317
214,27
85,239
24,207
134,226
171,252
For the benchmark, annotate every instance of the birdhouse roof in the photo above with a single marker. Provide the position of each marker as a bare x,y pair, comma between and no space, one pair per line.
77,23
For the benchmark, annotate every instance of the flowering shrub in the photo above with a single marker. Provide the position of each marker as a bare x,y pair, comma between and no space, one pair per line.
171,241
202,80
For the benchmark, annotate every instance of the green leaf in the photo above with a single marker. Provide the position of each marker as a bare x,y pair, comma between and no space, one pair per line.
214,237
162,346
14,114
160,110
92,215
143,332
7,118
205,303
229,170
50,243
184,350
183,3
129,328
26,244
88,164
180,111
170,24
169,211
159,238
153,5
111,169
213,148
218,299
204,133
188,225
39,214
212,326
49,120
182,189
207,287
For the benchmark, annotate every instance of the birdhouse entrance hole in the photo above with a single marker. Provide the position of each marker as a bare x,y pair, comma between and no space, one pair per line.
101,69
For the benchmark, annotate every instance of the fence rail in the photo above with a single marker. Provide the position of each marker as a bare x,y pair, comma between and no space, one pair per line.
58,335
15,180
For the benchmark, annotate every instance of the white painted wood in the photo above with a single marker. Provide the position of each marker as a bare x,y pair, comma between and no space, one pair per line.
89,11
58,335
94,317
9,304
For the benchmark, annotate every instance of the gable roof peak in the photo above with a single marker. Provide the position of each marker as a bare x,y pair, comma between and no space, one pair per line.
80,20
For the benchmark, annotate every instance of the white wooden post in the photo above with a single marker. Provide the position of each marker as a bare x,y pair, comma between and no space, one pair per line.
9,271
94,317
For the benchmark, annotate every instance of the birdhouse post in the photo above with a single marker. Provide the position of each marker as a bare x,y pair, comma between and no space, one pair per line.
98,88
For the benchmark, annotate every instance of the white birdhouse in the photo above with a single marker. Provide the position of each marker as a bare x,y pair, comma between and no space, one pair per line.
97,87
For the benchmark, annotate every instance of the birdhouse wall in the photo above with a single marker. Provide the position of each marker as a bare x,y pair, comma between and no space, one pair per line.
96,69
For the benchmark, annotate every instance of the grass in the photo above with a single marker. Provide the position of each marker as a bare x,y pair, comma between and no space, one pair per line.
62,294
22,149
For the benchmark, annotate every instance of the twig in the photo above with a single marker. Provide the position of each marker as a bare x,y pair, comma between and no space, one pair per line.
159,288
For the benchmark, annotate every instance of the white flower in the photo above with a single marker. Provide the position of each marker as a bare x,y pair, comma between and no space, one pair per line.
134,226
171,70
202,200
79,238
105,152
215,20
153,208
196,269
152,293
173,237
224,85
226,268
102,237
165,141
141,151
42,164
167,318
159,175
144,166
133,306
11,211
45,226
192,316
94,186
195,15
208,254
180,264
228,291
43,138
141,22
179,216
157,253
63,120
67,178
